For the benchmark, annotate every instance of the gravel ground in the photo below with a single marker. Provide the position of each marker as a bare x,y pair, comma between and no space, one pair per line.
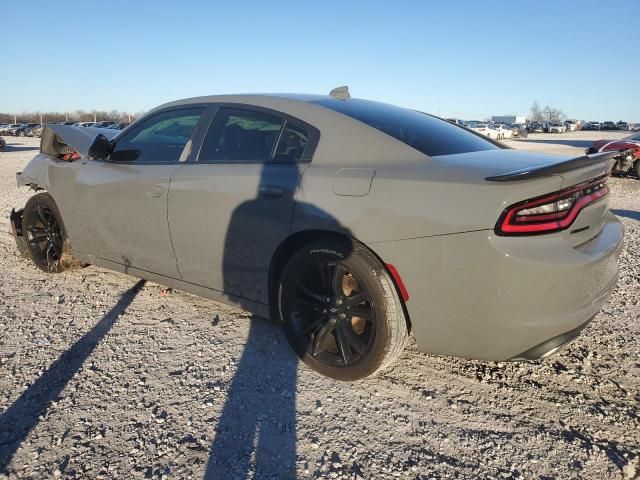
103,376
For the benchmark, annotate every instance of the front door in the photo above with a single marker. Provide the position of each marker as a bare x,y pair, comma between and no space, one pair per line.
121,203
230,209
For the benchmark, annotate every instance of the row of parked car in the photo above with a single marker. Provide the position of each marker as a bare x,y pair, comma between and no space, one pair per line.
606,126
35,129
571,126
499,131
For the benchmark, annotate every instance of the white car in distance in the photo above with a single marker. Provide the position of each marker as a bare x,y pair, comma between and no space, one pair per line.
504,131
557,128
485,129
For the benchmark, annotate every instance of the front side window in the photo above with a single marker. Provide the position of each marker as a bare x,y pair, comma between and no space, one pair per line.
159,139
242,136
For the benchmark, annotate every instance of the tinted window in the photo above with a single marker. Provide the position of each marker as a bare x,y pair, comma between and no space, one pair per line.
291,145
430,135
161,138
241,136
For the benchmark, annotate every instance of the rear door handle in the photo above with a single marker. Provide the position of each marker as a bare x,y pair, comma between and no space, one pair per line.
271,193
155,191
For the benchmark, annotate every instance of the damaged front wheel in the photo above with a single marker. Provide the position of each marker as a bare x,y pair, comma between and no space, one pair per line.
44,234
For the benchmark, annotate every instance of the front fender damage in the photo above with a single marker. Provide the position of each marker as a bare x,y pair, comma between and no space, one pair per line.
35,174
54,169
60,144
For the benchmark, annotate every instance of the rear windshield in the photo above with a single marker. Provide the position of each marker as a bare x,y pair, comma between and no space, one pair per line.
430,135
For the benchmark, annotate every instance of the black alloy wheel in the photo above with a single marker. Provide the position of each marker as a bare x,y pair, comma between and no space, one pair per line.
340,310
335,316
44,233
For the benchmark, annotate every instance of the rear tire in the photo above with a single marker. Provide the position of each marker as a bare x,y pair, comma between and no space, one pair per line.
45,235
636,168
340,310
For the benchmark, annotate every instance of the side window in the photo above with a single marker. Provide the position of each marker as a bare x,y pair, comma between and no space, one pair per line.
159,139
291,145
238,135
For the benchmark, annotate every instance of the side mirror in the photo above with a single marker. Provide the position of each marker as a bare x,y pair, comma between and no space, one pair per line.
124,156
100,148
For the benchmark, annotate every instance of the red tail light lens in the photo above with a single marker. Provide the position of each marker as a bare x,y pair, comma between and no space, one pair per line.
550,213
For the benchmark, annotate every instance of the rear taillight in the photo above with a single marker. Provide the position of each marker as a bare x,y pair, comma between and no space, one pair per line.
550,213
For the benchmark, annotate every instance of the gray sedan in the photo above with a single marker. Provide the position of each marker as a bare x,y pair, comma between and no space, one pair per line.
355,223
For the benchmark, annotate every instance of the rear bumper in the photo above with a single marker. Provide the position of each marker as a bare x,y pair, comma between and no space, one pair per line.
549,347
478,295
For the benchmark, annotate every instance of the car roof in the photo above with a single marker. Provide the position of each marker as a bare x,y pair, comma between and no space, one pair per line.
250,98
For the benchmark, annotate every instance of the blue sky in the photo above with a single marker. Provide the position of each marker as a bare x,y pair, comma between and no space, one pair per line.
468,59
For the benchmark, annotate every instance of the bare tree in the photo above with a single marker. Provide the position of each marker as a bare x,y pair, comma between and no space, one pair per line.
535,114
553,115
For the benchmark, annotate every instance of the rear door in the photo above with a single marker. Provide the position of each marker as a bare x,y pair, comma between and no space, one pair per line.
121,202
230,209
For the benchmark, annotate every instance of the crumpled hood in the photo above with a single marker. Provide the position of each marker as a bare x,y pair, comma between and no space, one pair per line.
80,138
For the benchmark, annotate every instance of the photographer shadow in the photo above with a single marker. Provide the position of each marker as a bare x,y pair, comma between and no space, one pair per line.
256,432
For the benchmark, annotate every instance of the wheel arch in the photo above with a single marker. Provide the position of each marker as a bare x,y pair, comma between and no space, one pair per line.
296,241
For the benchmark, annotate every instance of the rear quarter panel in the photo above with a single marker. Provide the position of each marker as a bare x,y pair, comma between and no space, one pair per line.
410,197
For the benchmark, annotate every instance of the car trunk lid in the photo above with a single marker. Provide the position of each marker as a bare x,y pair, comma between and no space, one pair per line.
575,171
522,178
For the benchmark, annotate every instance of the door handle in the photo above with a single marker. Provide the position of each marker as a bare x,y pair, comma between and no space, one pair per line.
155,191
270,193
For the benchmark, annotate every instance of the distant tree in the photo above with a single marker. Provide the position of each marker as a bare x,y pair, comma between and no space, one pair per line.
77,116
535,114
553,115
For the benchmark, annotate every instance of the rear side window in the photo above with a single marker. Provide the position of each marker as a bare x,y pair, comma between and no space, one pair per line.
241,136
430,135
160,138
291,145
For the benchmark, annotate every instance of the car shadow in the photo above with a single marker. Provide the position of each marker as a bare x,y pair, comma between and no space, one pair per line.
256,432
255,435
23,415
18,147
632,214
568,143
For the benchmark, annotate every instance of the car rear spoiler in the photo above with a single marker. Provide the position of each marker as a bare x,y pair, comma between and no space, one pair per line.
545,169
